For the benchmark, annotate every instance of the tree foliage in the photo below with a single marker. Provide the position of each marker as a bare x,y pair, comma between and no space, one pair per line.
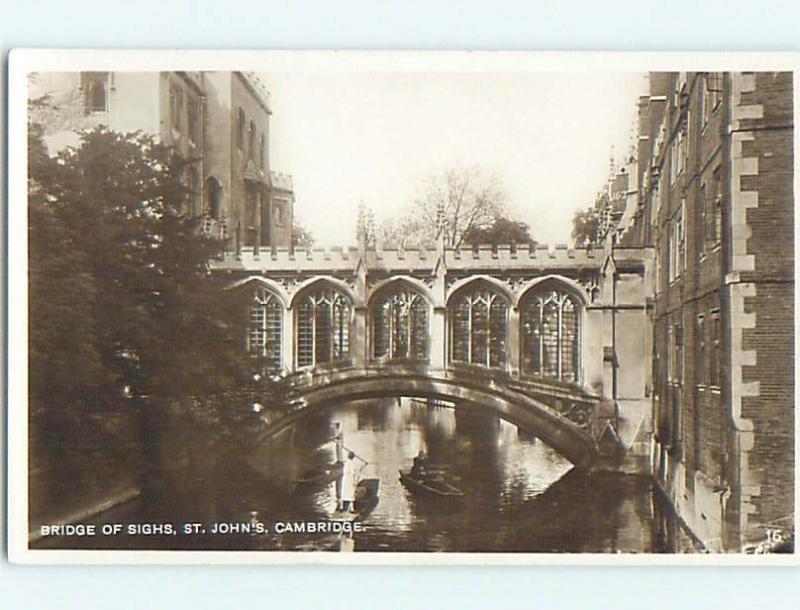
586,223
584,227
302,238
122,302
502,231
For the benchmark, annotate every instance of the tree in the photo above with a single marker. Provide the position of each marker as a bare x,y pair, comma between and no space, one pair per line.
502,231
586,223
451,205
122,300
584,227
302,238
365,226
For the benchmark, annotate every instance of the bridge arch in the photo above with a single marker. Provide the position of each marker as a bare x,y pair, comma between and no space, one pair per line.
569,438
399,314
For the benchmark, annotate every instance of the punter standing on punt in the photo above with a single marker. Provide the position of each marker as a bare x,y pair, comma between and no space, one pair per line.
349,483
338,438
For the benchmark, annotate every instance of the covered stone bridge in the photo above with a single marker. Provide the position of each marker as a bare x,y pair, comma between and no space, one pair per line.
490,326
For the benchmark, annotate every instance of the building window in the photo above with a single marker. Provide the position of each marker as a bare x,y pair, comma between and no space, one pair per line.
700,361
711,198
279,207
551,335
656,364
677,359
264,219
193,122
681,238
479,328
263,156
710,95
250,212
251,141
194,189
95,91
400,326
672,250
702,101
678,155
213,198
712,90
176,107
656,196
670,355
323,327
264,334
240,131
675,354
677,244
715,345
704,203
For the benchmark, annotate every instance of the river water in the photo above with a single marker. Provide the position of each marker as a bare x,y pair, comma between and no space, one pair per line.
519,495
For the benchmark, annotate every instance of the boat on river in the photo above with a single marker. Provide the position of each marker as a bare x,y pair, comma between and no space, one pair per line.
435,486
365,501
314,479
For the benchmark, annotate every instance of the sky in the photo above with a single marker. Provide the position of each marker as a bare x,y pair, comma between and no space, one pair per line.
373,137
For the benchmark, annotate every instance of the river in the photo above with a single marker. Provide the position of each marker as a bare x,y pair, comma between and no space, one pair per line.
519,495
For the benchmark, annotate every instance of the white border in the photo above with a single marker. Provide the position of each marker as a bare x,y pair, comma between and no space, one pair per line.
22,62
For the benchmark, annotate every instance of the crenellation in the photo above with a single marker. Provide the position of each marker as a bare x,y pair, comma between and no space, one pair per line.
482,259
281,181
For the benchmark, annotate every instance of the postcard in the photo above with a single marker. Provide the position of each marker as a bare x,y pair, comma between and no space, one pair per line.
402,307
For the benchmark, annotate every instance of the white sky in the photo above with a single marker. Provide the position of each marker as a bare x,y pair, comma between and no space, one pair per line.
372,137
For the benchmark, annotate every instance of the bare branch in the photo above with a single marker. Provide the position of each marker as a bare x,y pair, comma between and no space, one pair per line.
449,205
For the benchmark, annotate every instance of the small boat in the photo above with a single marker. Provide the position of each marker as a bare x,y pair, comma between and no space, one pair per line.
313,480
432,487
365,501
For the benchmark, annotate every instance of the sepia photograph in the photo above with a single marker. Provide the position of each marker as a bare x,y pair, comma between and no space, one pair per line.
479,306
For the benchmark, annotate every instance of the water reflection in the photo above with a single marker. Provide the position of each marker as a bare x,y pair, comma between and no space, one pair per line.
520,496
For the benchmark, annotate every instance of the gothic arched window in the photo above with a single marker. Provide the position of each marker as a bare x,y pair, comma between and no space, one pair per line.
323,327
264,334
479,328
400,325
551,334
213,198
95,91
